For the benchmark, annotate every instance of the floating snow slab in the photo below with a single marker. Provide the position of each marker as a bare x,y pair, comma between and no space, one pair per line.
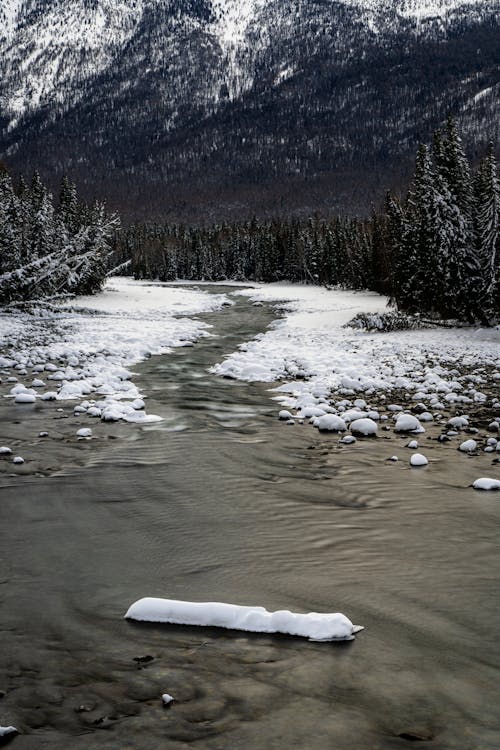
408,423
418,460
315,626
486,484
364,427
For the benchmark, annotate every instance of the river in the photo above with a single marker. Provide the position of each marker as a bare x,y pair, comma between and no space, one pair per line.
222,502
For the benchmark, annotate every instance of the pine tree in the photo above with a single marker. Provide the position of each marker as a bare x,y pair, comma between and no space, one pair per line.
487,225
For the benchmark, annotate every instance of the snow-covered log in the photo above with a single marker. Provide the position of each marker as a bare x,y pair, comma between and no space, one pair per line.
313,625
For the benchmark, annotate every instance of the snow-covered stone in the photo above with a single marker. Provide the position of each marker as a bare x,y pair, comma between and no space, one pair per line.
468,446
284,415
311,411
18,460
167,699
84,432
413,444
331,423
418,460
365,427
348,440
6,731
25,398
408,423
315,626
458,423
485,483
5,451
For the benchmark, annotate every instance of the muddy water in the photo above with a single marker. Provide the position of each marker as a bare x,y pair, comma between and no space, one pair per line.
222,502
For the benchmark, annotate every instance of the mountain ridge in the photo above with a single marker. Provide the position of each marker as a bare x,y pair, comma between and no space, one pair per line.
181,97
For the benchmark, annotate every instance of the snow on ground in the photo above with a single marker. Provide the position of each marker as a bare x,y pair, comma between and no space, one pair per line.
86,349
313,625
312,351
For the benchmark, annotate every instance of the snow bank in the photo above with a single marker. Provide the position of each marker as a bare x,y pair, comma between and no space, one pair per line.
315,355
315,626
88,348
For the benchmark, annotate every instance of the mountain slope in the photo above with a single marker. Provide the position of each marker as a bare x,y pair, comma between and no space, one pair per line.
206,107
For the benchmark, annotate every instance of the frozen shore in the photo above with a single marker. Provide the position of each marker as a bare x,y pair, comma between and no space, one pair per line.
84,350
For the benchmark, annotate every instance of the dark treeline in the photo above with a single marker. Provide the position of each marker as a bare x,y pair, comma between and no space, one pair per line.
435,252
50,248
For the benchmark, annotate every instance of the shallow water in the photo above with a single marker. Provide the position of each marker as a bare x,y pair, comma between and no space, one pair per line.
223,502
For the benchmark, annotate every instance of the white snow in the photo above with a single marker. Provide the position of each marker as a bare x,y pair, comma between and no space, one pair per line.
468,446
418,460
87,348
485,483
330,423
408,423
313,625
314,354
4,731
364,427
84,432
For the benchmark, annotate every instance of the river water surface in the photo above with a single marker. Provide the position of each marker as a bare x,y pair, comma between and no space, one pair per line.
222,502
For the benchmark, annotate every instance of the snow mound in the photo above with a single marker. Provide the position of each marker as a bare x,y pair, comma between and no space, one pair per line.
313,625
485,483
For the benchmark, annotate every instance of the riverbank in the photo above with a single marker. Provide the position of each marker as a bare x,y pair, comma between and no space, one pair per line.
223,501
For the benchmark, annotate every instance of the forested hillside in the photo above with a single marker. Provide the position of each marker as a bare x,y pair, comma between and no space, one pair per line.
435,252
207,110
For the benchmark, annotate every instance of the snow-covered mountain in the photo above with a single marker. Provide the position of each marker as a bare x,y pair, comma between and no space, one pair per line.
174,98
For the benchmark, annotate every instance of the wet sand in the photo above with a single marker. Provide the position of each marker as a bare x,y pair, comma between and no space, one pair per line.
221,501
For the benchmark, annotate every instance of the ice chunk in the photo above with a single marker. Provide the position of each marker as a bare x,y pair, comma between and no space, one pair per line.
314,625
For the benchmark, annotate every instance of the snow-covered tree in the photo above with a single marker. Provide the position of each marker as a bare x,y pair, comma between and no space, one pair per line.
44,252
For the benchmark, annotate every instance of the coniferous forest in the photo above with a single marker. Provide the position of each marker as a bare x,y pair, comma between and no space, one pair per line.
433,252
47,249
